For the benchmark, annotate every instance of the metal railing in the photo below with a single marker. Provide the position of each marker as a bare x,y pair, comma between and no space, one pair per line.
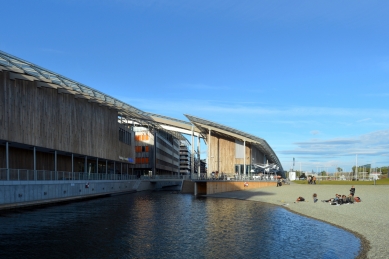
44,175
233,178
165,177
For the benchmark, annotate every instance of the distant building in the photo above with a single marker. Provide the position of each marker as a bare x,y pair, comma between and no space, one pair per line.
156,152
185,158
203,168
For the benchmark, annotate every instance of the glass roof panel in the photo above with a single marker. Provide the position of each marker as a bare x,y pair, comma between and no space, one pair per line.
165,117
4,61
260,142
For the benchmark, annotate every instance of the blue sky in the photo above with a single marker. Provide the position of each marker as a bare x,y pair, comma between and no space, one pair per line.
309,77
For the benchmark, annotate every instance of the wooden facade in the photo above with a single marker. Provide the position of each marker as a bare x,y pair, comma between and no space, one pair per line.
45,118
222,154
213,187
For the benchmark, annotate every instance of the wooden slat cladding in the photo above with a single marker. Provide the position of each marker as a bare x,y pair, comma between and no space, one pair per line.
223,154
40,116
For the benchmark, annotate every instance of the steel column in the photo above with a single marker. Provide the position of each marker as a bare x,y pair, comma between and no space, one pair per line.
209,154
55,162
35,176
199,157
86,165
155,154
72,163
7,158
192,155
244,158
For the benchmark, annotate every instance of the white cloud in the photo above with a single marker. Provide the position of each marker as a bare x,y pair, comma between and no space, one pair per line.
371,144
202,87
315,132
54,51
364,120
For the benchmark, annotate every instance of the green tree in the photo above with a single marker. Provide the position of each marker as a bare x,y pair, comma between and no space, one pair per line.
339,169
360,169
384,169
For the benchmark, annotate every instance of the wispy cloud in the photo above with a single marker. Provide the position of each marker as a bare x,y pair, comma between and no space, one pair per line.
364,120
315,132
202,87
371,144
55,51
328,142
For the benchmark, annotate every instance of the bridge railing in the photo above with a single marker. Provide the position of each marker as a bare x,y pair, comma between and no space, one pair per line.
45,175
233,178
165,177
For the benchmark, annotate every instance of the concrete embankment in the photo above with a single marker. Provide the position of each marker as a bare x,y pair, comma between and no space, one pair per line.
16,194
369,219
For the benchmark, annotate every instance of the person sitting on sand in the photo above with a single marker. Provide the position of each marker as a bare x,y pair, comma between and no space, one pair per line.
350,198
344,199
352,190
314,197
339,199
331,199
300,199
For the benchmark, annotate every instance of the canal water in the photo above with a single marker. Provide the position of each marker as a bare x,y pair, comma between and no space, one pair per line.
168,225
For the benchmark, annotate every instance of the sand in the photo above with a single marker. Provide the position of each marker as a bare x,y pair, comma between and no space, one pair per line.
368,220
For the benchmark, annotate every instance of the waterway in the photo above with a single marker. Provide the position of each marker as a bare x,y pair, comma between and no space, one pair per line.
168,225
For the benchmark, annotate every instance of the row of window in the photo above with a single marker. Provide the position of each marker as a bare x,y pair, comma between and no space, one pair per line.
124,136
161,162
141,137
139,149
166,136
160,151
142,160
163,143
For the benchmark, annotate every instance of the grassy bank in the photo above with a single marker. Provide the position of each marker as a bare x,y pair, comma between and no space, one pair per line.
378,182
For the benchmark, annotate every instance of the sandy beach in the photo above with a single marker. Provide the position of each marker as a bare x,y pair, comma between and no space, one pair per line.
368,220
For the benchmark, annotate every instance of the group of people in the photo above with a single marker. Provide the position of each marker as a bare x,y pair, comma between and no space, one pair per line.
343,199
311,179
338,199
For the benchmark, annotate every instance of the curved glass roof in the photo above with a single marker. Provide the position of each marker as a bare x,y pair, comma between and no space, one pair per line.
261,144
48,78
18,65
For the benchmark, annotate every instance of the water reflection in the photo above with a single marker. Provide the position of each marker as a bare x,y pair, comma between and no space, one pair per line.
164,225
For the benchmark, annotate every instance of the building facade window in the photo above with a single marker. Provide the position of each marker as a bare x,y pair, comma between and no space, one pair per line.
124,136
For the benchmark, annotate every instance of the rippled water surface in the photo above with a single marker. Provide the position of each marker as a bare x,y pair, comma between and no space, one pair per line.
166,225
